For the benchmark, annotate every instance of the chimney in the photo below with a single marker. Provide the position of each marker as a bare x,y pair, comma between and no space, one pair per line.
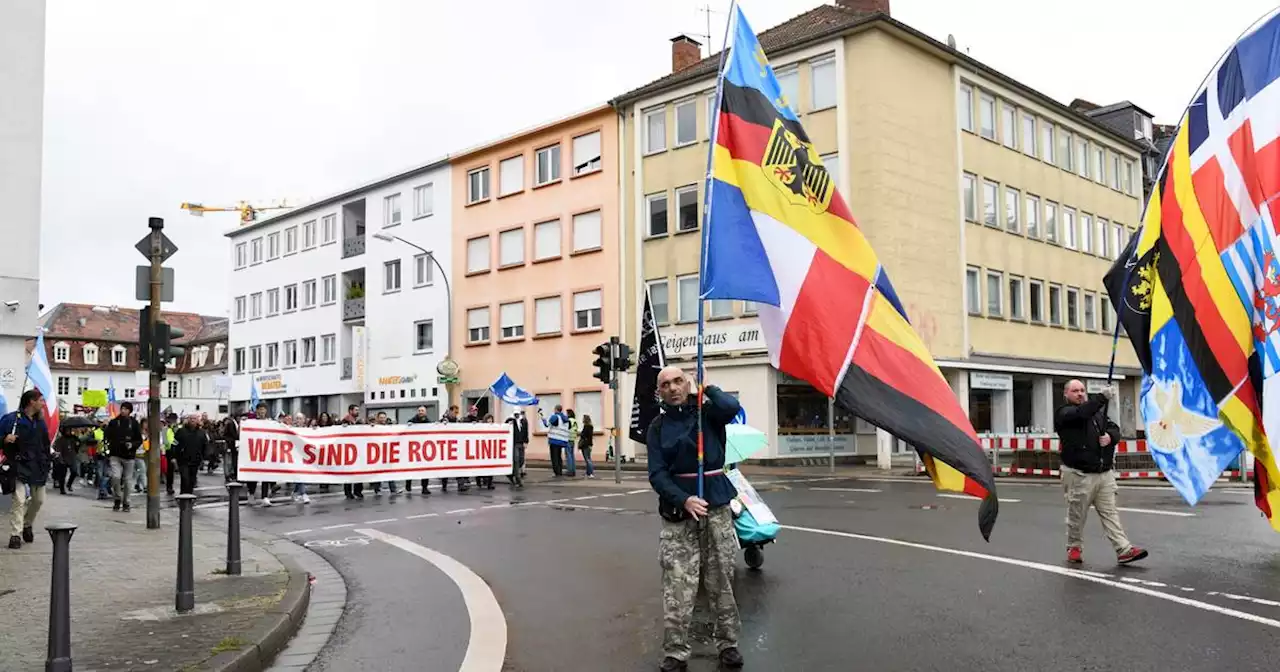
685,51
866,6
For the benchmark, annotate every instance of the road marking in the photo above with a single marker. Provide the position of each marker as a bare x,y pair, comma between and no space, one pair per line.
421,515
496,506
583,499
846,489
552,501
296,532
1053,482
487,647
1051,569
785,481
615,494
379,522
638,492
450,513
337,527
975,499
1158,512
1246,598
600,508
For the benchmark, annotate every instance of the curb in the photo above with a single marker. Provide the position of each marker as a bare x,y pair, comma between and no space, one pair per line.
271,632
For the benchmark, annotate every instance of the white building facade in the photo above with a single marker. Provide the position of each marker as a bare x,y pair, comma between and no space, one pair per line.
325,315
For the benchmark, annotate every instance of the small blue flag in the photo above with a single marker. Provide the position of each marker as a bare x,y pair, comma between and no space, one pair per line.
506,389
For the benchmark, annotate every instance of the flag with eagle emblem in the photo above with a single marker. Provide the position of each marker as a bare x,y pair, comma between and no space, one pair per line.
779,234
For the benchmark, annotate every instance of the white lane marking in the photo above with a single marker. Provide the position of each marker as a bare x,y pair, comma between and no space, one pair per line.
785,481
1246,598
421,515
639,492
379,522
846,489
600,508
1049,482
487,647
337,527
1051,569
296,532
583,499
496,506
449,513
1144,582
1158,512
615,494
975,499
552,501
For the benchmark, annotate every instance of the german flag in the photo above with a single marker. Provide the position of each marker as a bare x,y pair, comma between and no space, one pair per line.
780,234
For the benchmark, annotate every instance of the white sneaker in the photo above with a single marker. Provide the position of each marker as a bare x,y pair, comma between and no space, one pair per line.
306,499
266,501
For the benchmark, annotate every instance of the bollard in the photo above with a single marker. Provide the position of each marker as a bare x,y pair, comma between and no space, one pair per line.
59,658
233,528
185,598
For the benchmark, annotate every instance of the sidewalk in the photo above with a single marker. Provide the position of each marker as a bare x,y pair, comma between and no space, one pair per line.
122,593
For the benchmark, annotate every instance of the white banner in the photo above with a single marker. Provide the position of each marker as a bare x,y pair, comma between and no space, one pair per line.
270,451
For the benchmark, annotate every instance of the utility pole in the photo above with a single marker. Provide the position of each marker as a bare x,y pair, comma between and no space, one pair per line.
617,410
156,225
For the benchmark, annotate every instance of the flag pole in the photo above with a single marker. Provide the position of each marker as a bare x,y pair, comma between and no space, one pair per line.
706,226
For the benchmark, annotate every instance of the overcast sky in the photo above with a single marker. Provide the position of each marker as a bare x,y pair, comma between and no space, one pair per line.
152,103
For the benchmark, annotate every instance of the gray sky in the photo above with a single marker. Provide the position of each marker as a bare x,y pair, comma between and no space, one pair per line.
149,103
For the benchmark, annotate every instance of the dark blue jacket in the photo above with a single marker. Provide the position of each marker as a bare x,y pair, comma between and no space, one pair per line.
672,443
29,456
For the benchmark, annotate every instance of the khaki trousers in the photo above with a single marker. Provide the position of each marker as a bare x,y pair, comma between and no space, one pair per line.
1099,491
698,555
24,507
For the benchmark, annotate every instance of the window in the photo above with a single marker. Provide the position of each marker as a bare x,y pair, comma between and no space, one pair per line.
391,276
328,289
1065,141
660,301
308,234
1015,298
119,356
240,313
1102,238
1118,240
328,229
972,291
964,107
995,293
1107,311
1036,299
832,163
90,354
547,165
309,350
686,122
273,355
511,247
588,310
1029,146
64,385
1115,171
718,308
1128,177
711,113
750,307
130,393
424,200
687,295
328,349
511,320
290,298
586,231
255,251
1012,207
1047,142
174,389
290,354
655,130
656,206
1089,320
1086,233
990,201
82,384
546,315
478,185
822,79
592,404
291,240
391,210
969,190
1008,125
423,336
1069,228
255,358
423,270
586,153
478,254
1073,308
478,325
987,116
546,240
273,302
218,351
242,255
309,292
1100,165
789,85
511,176
1055,305
1032,213
273,246
1051,221
687,208
1082,157
255,306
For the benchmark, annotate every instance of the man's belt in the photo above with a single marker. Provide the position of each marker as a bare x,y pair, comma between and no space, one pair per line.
705,473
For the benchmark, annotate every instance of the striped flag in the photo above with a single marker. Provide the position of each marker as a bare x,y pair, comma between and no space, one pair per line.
41,378
780,234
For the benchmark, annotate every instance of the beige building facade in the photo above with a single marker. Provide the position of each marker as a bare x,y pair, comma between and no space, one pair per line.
970,226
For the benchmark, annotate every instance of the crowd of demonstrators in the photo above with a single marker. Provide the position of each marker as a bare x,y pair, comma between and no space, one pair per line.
564,435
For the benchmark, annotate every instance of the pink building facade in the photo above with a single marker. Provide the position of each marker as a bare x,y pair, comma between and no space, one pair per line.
537,278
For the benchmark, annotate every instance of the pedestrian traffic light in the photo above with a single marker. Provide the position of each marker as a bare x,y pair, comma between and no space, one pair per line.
622,359
164,346
144,338
603,363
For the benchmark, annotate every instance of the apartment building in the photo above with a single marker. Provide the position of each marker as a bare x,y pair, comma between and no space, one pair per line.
995,209
343,301
539,287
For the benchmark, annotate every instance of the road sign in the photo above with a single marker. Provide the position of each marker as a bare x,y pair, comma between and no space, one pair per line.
167,248
142,284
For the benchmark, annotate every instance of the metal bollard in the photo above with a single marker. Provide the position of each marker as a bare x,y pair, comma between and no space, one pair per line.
233,528
185,598
59,657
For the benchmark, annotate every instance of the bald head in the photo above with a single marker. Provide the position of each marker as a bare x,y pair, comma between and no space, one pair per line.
1074,392
673,385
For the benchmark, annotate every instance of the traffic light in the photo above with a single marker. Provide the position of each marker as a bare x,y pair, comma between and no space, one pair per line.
622,360
165,347
603,363
144,338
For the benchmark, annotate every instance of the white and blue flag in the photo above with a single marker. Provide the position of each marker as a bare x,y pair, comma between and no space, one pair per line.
506,389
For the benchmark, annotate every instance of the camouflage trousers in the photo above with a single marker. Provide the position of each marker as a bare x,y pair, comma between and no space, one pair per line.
697,554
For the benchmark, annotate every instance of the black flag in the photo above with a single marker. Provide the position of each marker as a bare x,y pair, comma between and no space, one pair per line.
644,407
1129,285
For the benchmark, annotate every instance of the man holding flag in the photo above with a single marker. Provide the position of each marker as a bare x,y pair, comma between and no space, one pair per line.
26,446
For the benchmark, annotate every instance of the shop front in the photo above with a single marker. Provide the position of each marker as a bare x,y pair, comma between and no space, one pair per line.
1023,402
400,395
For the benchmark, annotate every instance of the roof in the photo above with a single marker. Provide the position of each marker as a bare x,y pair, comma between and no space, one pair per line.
502,140
84,322
1098,111
214,329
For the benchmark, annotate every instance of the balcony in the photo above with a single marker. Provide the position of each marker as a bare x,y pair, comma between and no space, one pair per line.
353,309
352,247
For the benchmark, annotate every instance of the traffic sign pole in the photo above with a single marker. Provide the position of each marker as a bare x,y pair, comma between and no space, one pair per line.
156,253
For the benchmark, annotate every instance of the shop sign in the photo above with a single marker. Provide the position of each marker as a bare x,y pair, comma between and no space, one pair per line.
359,346
272,384
8,377
716,340
397,380
1094,386
982,380
816,445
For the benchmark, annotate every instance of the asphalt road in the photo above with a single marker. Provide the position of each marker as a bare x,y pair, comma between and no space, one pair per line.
868,575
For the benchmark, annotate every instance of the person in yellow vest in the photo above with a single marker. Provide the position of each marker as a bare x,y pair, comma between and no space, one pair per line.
101,463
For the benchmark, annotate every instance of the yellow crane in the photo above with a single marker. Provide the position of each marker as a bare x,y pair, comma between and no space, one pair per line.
248,212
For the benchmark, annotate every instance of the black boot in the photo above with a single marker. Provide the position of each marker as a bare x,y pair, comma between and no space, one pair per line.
670,664
27,535
15,542
116,506
731,658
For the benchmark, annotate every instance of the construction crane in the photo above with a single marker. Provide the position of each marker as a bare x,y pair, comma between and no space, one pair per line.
248,213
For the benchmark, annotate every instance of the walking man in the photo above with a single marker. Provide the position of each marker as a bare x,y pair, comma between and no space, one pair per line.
557,437
1088,439
124,437
519,439
26,451
698,545
190,443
